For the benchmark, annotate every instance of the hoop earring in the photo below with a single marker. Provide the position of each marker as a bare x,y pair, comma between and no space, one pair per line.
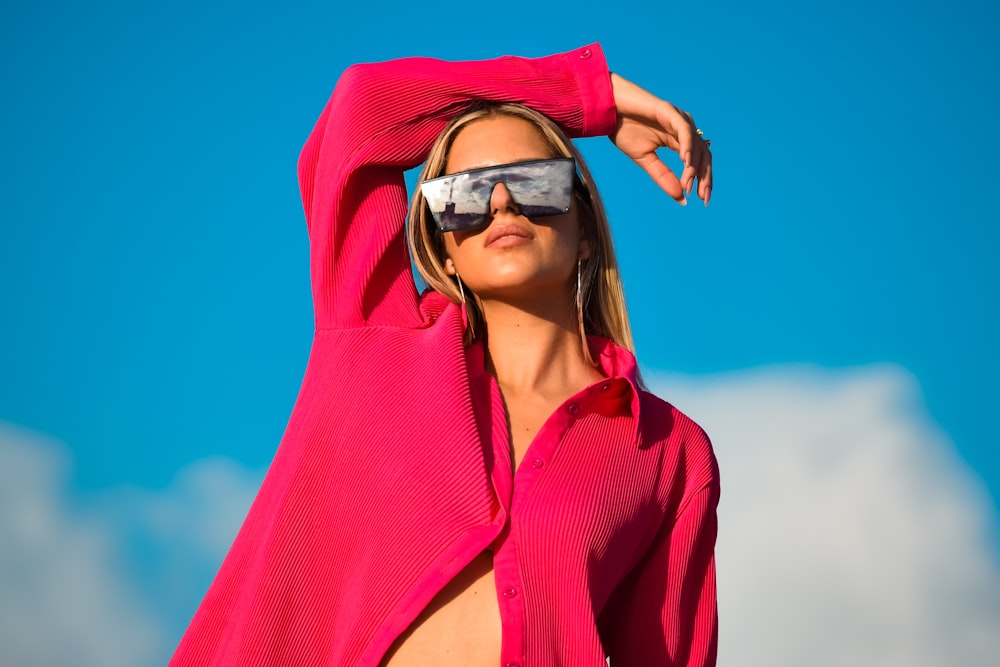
579,314
461,291
466,322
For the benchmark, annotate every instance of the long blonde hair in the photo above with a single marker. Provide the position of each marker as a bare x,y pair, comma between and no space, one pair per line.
602,296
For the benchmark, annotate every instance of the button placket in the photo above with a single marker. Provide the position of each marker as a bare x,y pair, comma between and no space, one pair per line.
510,595
540,452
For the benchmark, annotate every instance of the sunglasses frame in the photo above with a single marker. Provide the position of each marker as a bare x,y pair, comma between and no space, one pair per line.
558,173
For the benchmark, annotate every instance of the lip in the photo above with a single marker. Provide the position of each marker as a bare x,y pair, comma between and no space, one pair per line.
503,236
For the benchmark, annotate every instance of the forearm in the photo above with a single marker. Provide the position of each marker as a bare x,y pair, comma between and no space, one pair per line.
389,113
382,119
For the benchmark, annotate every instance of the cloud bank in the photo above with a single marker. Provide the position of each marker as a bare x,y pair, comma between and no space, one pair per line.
850,533
111,580
62,599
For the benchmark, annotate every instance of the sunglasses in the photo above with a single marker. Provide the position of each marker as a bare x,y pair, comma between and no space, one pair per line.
538,187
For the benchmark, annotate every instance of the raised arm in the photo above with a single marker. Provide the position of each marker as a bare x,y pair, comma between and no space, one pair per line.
382,120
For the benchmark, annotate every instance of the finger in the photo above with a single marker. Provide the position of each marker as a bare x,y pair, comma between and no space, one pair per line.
688,176
705,171
663,177
705,182
685,139
694,168
700,155
701,160
676,122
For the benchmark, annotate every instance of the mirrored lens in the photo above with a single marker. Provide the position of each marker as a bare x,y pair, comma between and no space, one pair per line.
539,188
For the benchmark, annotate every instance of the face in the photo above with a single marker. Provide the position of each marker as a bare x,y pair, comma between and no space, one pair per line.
512,256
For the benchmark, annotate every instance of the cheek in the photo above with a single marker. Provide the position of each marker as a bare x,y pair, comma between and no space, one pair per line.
571,238
453,241
449,244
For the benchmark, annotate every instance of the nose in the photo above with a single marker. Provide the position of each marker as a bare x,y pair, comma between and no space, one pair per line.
501,201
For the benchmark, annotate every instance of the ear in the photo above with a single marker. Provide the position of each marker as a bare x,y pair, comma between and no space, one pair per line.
584,253
449,267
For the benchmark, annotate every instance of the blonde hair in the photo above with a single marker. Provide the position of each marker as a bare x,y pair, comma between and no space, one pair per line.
603,296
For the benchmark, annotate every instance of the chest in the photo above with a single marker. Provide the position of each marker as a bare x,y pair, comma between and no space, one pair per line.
570,471
525,418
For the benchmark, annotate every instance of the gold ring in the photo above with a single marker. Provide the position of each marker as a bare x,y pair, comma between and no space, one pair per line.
708,142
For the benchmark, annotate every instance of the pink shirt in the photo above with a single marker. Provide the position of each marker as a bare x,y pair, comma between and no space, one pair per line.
395,469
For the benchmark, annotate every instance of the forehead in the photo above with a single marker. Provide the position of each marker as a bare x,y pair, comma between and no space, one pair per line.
499,140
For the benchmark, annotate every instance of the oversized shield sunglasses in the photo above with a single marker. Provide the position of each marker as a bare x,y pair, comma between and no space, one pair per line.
538,187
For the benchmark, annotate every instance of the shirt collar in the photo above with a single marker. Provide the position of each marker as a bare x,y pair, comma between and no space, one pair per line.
615,363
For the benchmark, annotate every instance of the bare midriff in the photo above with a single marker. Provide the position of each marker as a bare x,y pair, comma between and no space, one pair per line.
459,628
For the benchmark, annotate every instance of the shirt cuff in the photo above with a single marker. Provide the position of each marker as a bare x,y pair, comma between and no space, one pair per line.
594,79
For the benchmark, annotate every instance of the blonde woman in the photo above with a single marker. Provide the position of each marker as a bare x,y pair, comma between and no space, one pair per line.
475,475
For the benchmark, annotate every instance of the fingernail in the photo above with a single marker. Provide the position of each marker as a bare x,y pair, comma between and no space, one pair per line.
683,201
708,197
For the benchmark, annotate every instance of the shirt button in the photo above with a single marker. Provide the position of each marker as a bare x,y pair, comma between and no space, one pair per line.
606,386
513,664
537,463
585,54
573,408
510,593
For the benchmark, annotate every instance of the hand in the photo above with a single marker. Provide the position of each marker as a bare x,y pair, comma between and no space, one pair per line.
646,123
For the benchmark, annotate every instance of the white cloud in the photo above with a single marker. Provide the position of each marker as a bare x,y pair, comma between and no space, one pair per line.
178,536
110,580
850,532
62,600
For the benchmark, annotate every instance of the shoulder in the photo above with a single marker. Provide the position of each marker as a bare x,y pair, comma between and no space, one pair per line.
661,420
684,445
433,304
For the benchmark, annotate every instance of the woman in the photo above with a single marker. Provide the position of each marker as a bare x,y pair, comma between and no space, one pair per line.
466,478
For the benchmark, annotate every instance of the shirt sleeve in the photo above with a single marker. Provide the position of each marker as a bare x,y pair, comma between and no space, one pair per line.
381,120
667,612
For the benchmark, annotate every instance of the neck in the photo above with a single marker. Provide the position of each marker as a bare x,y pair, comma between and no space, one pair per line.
536,349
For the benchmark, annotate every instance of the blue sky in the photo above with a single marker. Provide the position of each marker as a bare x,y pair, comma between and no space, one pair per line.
153,255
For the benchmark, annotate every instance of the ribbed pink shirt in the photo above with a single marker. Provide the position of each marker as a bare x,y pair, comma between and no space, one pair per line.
395,470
